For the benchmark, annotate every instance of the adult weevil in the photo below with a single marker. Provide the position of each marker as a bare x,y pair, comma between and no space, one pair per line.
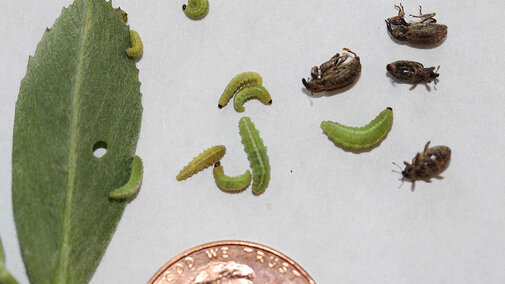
332,74
412,72
427,165
425,32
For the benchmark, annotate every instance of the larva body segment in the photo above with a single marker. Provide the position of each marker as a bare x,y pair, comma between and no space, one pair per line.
231,184
238,82
196,9
358,138
137,48
205,159
251,92
256,153
132,187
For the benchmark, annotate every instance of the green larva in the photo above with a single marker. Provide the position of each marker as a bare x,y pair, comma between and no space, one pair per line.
238,82
358,138
251,92
256,153
205,159
196,9
231,184
137,48
132,187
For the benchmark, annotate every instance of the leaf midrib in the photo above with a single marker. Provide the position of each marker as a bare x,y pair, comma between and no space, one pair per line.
62,268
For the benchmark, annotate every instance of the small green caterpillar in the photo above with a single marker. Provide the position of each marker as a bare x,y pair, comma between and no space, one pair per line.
132,187
251,92
137,48
196,9
205,159
231,184
256,153
238,82
358,138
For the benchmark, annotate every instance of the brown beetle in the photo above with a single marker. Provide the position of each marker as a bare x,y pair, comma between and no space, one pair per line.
332,74
424,32
412,72
427,165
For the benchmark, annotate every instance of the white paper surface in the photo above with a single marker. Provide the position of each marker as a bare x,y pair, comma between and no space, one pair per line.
340,215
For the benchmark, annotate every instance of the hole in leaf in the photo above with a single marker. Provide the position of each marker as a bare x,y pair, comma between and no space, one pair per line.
99,149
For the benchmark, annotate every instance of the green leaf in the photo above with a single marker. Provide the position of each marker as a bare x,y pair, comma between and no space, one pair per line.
80,92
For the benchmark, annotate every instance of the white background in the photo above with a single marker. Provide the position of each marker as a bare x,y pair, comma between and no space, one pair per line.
340,215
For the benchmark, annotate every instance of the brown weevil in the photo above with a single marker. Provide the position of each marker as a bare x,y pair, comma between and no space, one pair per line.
332,74
427,165
412,72
425,32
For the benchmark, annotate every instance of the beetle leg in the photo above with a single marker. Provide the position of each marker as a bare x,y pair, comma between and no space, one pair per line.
413,185
401,11
417,160
341,60
413,87
330,63
426,147
425,17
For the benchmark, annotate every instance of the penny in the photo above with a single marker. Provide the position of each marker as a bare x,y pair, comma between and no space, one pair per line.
231,262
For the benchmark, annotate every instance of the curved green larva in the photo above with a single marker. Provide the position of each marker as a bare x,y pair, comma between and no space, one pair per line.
196,9
132,187
205,159
256,153
136,49
251,92
358,138
231,184
238,82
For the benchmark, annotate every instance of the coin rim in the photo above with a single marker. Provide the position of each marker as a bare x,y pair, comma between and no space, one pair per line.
231,242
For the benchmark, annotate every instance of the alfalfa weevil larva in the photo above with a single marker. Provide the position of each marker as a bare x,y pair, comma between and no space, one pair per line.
427,165
412,72
424,32
332,74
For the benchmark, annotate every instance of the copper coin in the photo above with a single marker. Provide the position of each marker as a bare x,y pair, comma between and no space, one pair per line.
231,262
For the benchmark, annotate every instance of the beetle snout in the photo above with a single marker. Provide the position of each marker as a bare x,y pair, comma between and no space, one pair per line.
389,67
